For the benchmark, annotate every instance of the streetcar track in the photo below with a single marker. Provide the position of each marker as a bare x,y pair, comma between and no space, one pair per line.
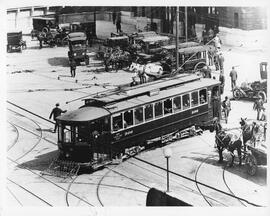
48,180
68,189
38,141
98,186
17,136
38,197
225,182
196,175
13,195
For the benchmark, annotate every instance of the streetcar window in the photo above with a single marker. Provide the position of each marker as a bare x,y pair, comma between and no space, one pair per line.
148,112
167,106
82,133
202,94
194,99
67,134
117,122
128,118
186,101
60,132
138,115
177,104
158,109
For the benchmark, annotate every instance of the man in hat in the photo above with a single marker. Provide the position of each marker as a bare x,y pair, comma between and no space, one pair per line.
258,106
233,75
55,113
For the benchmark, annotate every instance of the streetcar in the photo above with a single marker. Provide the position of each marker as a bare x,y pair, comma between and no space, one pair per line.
117,123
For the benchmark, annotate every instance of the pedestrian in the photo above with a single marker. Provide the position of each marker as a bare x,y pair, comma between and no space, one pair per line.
263,115
233,75
217,42
221,61
226,105
216,30
56,111
222,82
118,24
72,67
114,16
258,106
210,34
204,36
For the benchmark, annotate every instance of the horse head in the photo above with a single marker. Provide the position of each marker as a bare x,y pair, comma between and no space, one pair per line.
133,67
243,122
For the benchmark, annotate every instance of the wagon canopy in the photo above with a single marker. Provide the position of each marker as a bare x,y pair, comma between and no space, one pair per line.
76,36
190,50
84,114
155,39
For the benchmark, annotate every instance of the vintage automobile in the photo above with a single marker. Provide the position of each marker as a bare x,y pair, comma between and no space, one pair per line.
15,42
77,47
41,24
254,89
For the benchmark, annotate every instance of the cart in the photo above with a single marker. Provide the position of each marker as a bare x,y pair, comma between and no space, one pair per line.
256,155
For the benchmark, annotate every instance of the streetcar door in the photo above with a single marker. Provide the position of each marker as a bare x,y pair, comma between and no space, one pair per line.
100,139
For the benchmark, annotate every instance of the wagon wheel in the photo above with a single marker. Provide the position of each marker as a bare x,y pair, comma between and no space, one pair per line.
251,164
263,95
237,94
65,41
45,30
197,68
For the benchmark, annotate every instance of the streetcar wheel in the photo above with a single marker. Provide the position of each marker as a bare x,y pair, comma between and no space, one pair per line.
251,164
237,94
263,95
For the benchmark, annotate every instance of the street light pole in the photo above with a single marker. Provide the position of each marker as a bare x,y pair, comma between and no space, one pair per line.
177,37
168,189
167,154
186,24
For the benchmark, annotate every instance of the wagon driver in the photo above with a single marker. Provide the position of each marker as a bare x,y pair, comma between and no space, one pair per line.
55,113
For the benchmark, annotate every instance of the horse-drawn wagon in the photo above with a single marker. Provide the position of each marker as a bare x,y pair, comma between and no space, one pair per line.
255,156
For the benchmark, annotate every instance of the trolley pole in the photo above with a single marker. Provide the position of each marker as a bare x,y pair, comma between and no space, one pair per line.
186,24
177,37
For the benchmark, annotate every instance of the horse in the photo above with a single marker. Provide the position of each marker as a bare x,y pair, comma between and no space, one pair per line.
227,140
248,130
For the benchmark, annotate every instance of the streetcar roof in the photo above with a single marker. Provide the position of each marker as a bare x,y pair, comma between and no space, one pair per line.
163,94
43,18
84,114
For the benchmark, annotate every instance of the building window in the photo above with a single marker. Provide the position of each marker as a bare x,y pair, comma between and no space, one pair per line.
138,115
143,11
128,118
158,109
236,20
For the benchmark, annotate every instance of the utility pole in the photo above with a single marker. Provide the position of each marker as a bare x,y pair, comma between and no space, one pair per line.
186,24
177,37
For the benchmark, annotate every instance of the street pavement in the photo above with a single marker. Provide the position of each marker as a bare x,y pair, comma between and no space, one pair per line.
38,78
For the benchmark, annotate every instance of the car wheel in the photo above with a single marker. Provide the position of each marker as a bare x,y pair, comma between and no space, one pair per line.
237,94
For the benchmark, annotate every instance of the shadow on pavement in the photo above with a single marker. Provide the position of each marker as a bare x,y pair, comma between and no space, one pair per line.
59,61
259,178
41,162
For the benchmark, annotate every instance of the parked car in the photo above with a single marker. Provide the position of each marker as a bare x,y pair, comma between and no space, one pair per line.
15,42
